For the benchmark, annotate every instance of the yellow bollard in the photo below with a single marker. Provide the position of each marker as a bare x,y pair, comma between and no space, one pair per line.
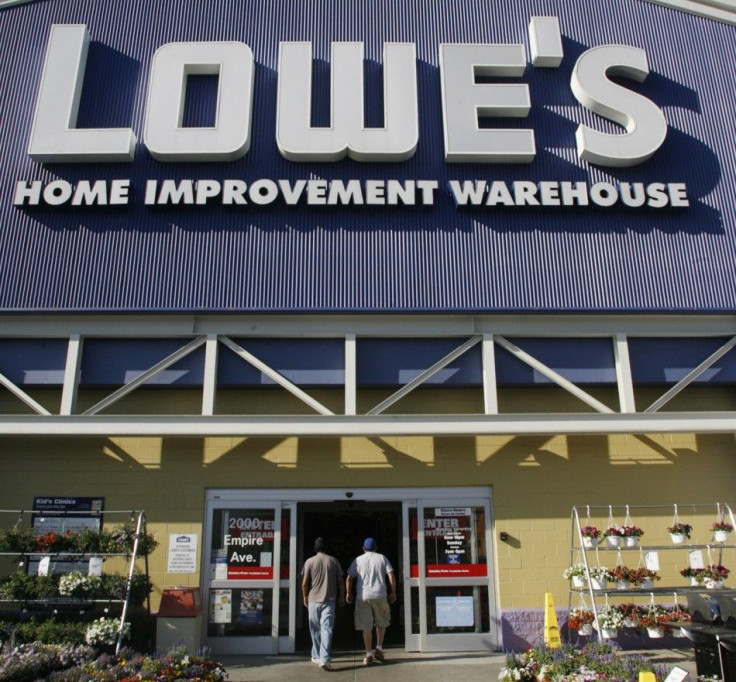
647,677
551,630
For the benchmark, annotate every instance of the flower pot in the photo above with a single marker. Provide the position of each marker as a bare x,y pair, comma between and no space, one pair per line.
721,535
678,538
598,584
655,633
713,584
590,542
614,540
608,633
630,622
694,582
623,585
631,541
578,581
647,584
586,629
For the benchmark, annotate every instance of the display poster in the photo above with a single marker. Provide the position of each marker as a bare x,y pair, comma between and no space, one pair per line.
453,547
250,613
249,545
221,606
454,612
182,553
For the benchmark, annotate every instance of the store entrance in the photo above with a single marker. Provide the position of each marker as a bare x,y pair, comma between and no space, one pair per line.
345,524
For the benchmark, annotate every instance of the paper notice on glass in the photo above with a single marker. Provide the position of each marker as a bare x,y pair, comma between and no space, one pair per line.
651,561
95,566
696,559
43,565
221,606
454,611
266,558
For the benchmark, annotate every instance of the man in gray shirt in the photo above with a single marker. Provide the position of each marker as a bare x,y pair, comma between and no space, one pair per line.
322,586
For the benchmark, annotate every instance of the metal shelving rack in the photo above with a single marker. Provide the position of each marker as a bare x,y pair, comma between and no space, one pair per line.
138,516
577,547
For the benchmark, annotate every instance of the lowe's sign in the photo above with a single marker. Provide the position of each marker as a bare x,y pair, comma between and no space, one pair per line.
472,89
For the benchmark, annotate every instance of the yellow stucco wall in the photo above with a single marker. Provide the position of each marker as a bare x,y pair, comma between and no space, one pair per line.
535,479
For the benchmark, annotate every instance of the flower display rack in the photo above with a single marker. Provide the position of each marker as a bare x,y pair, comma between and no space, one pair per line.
74,540
603,550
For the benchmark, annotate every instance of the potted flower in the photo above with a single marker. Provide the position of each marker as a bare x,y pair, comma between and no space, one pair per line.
679,532
577,573
614,535
624,577
721,531
581,619
599,577
632,535
655,621
645,578
590,535
691,574
610,621
675,617
713,576
630,613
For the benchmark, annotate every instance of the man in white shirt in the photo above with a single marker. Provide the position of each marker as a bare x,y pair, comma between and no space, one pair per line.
371,571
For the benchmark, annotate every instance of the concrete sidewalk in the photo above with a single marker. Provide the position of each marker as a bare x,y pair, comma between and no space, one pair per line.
401,666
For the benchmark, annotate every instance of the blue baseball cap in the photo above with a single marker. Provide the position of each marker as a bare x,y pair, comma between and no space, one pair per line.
369,544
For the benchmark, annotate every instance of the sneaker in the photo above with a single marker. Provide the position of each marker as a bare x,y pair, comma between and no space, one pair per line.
315,660
368,659
326,666
378,653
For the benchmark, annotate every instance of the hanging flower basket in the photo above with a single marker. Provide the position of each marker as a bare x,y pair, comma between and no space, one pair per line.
577,574
631,614
580,619
712,576
590,535
610,621
721,531
599,577
680,532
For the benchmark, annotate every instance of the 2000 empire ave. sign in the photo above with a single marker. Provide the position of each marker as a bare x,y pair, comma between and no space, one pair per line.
55,138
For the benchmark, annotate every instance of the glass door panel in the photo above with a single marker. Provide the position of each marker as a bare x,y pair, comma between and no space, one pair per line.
451,593
244,545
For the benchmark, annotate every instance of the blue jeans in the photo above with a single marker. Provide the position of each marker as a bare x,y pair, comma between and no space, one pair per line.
321,626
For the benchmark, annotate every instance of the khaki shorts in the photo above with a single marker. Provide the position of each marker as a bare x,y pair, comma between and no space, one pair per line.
372,611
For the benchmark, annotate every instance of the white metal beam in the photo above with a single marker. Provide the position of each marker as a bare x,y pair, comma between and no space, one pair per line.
384,425
624,380
209,382
490,387
145,376
351,380
279,378
692,375
552,375
426,374
19,393
71,375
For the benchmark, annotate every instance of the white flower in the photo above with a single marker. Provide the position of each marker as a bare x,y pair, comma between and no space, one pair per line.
105,631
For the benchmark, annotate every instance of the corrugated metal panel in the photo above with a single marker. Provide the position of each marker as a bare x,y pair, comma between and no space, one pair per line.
434,258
